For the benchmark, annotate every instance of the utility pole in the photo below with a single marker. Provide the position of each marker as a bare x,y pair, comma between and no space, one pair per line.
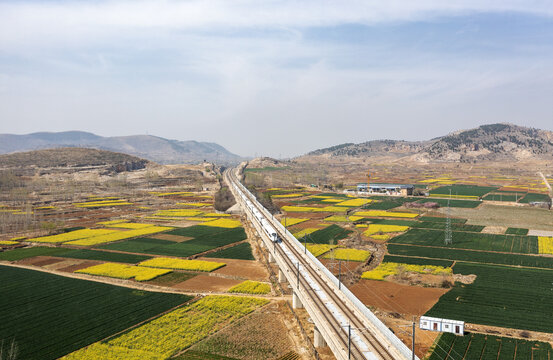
413,336
349,341
339,274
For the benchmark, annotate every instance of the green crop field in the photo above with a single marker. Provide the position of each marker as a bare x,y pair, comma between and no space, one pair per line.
417,261
441,226
516,231
386,202
24,253
103,256
49,316
484,257
442,219
463,190
488,347
470,241
500,296
391,221
533,197
329,235
503,197
241,251
205,238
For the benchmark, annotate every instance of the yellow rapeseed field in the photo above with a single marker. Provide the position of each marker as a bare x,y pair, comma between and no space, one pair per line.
200,218
214,214
119,235
343,218
8,242
299,208
129,225
224,223
348,254
194,204
123,271
389,268
331,200
383,237
289,221
354,202
178,212
169,334
319,249
382,228
111,222
180,264
73,235
283,196
251,287
18,238
102,203
304,232
382,213
545,245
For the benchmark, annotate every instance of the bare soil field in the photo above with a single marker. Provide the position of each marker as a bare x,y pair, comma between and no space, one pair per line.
170,237
206,283
493,215
398,298
243,269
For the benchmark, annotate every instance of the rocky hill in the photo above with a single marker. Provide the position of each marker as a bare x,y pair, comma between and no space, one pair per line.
75,159
153,148
486,143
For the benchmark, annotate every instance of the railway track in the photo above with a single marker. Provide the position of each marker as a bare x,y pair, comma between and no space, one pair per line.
350,333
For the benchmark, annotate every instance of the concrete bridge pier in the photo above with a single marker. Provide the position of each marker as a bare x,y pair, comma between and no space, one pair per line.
296,302
318,340
281,277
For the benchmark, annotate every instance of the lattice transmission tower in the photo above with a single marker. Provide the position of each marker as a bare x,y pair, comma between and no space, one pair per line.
448,235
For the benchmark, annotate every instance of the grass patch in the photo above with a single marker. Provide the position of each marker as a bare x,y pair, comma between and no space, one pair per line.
497,298
50,316
241,252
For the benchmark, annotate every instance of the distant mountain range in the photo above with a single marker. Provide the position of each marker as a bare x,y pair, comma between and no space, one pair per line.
149,147
486,143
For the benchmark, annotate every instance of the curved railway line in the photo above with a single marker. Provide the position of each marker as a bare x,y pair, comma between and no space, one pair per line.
350,333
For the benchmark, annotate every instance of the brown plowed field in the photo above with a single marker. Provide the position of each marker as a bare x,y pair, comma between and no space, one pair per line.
246,269
392,297
206,283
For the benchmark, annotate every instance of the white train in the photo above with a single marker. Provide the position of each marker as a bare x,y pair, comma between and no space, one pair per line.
269,230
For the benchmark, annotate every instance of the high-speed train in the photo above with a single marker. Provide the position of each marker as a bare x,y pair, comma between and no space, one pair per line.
269,230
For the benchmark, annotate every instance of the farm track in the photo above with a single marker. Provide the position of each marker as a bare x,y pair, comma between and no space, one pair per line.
356,323
136,285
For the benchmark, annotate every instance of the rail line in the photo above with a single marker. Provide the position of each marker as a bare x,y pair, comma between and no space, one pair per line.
344,325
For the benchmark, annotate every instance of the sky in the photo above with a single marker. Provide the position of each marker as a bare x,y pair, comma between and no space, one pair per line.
275,78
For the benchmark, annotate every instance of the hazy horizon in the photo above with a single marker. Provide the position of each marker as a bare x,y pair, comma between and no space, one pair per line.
274,78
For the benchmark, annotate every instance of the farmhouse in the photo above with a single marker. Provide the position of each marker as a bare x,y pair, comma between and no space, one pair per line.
388,189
